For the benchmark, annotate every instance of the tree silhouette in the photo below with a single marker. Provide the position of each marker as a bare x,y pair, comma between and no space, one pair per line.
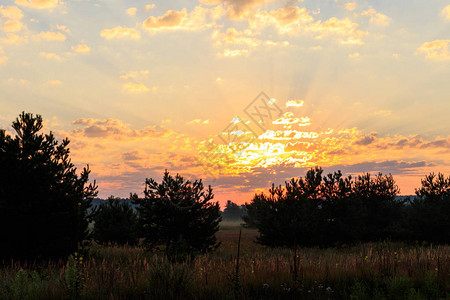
43,202
429,213
115,222
232,212
178,215
320,211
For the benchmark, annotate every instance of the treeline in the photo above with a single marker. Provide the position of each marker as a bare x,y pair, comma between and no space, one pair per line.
329,210
46,207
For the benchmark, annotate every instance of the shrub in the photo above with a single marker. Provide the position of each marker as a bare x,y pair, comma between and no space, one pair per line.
115,222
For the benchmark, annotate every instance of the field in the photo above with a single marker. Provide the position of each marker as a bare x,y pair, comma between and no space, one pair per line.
368,271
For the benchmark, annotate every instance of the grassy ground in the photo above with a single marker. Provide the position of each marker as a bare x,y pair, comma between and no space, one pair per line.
368,271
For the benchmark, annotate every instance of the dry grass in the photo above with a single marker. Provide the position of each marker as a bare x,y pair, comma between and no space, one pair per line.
382,271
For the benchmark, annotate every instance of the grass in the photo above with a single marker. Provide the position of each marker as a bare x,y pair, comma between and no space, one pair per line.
366,271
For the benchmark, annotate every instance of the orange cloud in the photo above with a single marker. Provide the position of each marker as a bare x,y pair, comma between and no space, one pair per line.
436,50
135,88
39,4
237,8
11,12
376,17
179,20
51,36
120,32
12,26
50,55
82,48
446,12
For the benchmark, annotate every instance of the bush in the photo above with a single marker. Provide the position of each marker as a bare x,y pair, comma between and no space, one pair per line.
115,222
179,216
43,202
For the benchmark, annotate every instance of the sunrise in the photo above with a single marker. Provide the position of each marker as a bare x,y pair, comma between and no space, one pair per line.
246,96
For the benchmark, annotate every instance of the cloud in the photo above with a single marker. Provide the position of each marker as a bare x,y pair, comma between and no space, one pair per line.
237,9
294,103
354,55
11,12
350,6
376,17
54,82
82,48
13,39
149,7
179,20
135,88
235,37
289,19
50,55
234,53
384,113
446,12
198,121
366,140
132,11
120,32
344,27
51,36
12,26
39,4
436,50
135,74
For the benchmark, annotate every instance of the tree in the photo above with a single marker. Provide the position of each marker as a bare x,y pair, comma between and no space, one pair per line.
320,211
115,222
43,202
179,216
232,212
429,213
293,215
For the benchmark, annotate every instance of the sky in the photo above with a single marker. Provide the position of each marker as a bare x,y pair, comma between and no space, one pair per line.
239,93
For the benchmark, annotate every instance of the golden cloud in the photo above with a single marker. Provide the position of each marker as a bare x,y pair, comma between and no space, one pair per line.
39,4
446,12
289,19
436,50
135,88
82,48
132,11
336,26
179,20
12,26
120,32
11,12
50,55
376,17
237,9
51,36
350,6
13,39
54,82
234,53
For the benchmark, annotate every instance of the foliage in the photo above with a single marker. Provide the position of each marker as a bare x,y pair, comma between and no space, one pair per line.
232,212
429,214
321,211
115,222
178,215
43,202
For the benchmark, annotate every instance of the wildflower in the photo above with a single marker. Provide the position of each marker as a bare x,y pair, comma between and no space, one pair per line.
265,286
329,289
366,257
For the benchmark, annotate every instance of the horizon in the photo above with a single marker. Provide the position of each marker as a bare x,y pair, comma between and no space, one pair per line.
239,93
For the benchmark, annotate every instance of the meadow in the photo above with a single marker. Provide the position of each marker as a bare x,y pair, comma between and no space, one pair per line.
384,270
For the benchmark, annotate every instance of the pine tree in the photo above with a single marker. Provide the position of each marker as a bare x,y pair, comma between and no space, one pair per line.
43,202
177,216
116,223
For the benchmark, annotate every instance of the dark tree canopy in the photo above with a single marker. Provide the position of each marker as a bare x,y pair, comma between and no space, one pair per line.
429,213
115,223
232,212
178,215
43,202
320,211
